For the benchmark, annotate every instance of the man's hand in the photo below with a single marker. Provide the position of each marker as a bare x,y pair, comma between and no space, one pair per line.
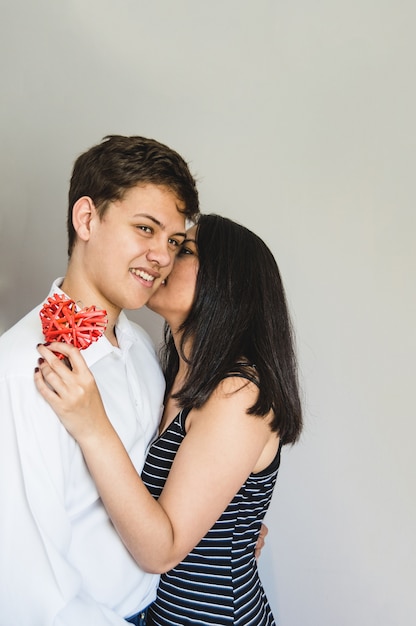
261,540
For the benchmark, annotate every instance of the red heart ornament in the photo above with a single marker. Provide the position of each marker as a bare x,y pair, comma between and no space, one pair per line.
61,321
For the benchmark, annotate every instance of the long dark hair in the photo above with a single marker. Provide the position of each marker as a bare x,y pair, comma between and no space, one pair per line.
239,313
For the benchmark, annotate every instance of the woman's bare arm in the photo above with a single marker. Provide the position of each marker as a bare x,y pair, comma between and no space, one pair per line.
222,447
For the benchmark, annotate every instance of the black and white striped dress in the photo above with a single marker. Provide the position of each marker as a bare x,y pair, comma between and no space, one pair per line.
218,582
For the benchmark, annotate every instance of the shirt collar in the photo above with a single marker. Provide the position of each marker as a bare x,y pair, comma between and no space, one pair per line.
102,347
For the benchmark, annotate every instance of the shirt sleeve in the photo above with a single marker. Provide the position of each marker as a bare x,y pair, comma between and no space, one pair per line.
38,583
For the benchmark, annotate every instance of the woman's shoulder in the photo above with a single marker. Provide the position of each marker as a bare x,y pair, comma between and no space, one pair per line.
243,369
242,380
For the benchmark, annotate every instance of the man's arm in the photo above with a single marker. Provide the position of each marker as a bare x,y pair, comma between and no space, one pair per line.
38,583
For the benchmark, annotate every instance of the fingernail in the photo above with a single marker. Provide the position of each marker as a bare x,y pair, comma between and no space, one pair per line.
41,360
36,370
47,343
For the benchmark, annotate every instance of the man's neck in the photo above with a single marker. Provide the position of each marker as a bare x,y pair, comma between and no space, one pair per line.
84,296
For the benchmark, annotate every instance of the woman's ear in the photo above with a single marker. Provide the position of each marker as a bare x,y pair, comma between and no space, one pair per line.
83,212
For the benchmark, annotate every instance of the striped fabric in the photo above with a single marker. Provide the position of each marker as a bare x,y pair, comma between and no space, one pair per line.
218,582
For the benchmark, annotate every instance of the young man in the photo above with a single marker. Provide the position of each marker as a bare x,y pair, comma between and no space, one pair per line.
61,560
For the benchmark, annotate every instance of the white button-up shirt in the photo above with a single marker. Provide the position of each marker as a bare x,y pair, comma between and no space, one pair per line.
61,561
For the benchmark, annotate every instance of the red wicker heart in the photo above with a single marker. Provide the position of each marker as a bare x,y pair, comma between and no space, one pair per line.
62,322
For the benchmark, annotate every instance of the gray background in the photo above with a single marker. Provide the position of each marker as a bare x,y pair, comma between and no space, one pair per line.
297,117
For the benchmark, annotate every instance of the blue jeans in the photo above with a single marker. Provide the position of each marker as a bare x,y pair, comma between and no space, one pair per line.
139,619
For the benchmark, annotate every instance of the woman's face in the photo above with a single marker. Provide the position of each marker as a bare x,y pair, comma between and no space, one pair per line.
174,298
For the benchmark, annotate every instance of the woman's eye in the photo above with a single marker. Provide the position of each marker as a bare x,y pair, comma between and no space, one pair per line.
174,243
184,250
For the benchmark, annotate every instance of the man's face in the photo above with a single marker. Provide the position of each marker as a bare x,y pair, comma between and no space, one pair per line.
132,248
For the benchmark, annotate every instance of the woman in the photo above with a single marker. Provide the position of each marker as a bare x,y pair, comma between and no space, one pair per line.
231,403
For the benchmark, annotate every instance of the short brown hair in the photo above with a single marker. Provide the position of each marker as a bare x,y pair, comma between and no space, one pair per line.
106,171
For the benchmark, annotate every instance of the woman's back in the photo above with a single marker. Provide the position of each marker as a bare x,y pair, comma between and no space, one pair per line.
217,583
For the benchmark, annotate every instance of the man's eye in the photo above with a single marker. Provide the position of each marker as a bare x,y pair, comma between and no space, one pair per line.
145,229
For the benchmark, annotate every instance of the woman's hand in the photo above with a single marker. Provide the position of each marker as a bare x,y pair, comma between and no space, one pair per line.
211,464
73,394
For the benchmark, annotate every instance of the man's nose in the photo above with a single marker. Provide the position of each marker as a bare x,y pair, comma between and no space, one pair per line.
159,253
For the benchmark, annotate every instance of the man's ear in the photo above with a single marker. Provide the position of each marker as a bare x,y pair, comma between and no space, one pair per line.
83,212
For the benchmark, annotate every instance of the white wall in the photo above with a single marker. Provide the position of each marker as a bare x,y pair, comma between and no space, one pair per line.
298,119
